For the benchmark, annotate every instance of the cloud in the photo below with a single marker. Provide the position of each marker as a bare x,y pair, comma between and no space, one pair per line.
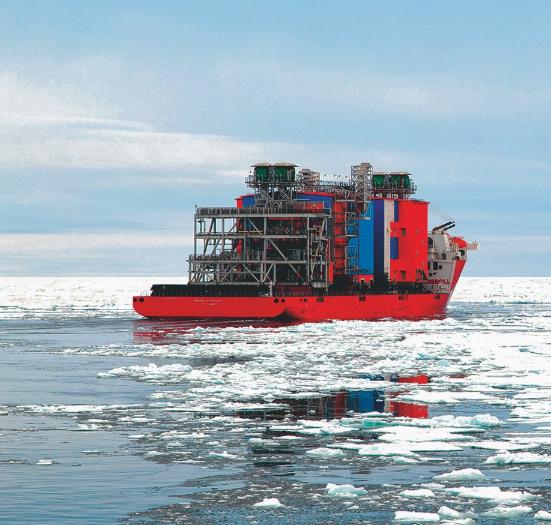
67,244
77,147
67,122
364,90
48,126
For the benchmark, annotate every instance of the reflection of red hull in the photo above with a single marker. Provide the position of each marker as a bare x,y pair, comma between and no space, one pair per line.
344,307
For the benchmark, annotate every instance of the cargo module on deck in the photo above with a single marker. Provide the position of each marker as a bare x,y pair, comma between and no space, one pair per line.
302,248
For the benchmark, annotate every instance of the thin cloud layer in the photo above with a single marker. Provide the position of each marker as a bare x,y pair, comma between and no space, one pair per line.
43,127
71,242
370,92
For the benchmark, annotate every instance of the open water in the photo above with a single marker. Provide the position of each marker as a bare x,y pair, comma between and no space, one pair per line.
106,418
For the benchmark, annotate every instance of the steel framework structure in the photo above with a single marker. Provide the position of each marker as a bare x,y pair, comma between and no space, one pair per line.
360,180
261,246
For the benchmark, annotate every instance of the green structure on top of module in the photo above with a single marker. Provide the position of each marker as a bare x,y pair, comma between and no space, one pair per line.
393,180
279,172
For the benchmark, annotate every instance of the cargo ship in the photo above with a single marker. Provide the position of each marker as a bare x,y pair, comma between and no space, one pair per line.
300,247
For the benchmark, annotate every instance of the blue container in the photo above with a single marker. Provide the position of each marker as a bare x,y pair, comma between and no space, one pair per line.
394,248
360,247
366,262
248,201
378,207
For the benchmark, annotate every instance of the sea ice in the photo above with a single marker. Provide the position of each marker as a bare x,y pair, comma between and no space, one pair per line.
386,449
403,516
543,515
269,503
151,373
325,453
401,460
260,443
483,420
405,448
479,420
322,427
348,445
433,446
407,433
223,455
518,458
417,493
344,491
45,461
449,514
466,474
491,493
502,445
433,486
439,397
503,512
291,362
91,428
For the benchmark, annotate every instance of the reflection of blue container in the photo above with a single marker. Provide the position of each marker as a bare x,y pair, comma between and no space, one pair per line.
372,377
367,400
379,404
328,407
353,401
362,400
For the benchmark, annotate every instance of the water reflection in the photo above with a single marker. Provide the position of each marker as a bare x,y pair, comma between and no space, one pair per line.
342,404
172,332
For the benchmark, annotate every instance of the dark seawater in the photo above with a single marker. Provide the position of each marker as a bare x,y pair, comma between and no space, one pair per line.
105,418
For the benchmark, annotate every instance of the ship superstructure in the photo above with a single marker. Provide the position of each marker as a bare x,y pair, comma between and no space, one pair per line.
300,236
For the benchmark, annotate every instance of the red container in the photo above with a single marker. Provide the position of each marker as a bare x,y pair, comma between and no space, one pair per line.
409,261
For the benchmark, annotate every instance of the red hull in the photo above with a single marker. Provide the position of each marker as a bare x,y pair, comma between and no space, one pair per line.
343,307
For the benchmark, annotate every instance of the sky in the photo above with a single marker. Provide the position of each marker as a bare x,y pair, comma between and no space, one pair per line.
118,117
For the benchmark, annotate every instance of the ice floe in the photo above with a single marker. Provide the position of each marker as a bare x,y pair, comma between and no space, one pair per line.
325,453
504,512
466,474
269,503
502,445
403,516
173,373
386,449
492,493
406,433
446,513
479,420
344,491
518,458
223,455
417,493
453,397
542,515
401,460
